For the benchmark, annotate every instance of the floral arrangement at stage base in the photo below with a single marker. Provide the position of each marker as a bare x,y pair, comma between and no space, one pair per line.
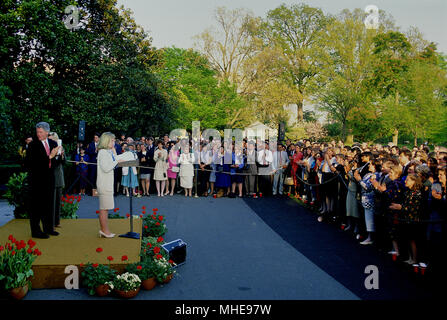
126,285
16,260
154,225
96,277
145,271
70,206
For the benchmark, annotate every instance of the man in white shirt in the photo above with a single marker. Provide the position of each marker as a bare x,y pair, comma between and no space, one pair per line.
265,159
280,162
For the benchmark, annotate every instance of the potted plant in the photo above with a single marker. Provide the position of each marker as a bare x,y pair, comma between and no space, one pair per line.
145,271
163,268
17,193
127,285
154,225
69,207
16,259
97,277
150,246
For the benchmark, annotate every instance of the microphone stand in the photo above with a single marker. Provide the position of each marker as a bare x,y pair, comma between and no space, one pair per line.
131,234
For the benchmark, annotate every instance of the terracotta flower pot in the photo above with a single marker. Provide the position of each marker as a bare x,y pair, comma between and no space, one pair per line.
127,294
19,293
168,278
102,290
149,284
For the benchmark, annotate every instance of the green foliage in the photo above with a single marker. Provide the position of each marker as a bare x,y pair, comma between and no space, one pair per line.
100,73
17,194
95,275
199,96
154,226
144,269
69,207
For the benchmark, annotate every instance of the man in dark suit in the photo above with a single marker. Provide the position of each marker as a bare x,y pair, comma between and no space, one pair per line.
92,151
40,162
118,172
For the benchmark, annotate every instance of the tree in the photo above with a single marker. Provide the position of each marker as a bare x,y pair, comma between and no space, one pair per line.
199,95
341,88
392,52
296,33
100,72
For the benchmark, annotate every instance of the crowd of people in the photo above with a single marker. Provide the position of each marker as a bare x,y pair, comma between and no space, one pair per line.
392,197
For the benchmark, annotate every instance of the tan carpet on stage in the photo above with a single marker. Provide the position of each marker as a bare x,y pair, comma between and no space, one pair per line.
76,244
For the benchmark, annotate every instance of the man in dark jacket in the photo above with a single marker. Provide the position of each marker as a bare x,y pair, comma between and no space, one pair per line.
40,162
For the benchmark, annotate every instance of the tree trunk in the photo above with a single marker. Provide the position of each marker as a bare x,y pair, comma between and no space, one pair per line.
396,131
349,137
300,114
395,136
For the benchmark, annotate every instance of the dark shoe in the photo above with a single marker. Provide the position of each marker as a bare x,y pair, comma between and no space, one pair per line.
40,235
53,233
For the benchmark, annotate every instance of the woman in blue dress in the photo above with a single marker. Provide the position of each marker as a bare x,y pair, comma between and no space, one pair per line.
130,177
82,169
223,179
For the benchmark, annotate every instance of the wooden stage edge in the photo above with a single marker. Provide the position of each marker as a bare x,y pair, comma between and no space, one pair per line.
77,243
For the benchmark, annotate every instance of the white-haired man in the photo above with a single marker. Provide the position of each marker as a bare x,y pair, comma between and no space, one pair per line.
41,161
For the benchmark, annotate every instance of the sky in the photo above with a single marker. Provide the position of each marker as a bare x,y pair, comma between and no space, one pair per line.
176,22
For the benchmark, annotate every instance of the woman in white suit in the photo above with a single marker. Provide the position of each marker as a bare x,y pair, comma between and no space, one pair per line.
161,167
186,169
107,161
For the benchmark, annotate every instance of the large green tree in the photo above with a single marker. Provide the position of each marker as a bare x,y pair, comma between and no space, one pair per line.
100,72
199,94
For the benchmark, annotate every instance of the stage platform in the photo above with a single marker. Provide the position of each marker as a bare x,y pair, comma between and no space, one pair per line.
76,244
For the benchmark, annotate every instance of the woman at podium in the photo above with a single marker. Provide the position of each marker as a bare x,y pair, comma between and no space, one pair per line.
107,161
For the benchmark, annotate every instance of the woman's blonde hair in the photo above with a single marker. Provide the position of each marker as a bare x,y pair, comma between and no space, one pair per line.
54,134
104,140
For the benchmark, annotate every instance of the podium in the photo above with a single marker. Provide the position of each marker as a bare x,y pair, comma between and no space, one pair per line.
131,234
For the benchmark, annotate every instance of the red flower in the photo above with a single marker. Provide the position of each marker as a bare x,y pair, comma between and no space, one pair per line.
28,251
157,223
124,258
110,258
116,209
62,205
13,252
98,250
157,250
10,237
160,239
97,211
127,215
153,217
31,243
1,248
150,245
160,218
155,209
159,256
145,227
139,267
39,252
144,250
171,262
95,265
141,216
81,265
79,198
144,211
143,207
